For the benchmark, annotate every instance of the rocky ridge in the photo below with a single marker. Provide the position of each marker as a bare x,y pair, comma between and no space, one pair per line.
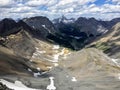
109,42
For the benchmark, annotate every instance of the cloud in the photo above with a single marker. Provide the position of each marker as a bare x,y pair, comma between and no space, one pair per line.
116,1
6,3
56,8
35,3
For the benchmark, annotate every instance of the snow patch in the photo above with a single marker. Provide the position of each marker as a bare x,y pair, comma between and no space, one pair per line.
16,86
56,57
119,76
36,48
29,70
102,29
115,61
56,47
56,64
36,74
41,51
49,67
73,79
35,54
44,26
67,76
38,68
51,86
31,60
33,27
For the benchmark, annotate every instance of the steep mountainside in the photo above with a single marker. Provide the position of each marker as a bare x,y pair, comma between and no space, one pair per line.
25,46
21,43
16,37
42,26
110,42
90,26
82,31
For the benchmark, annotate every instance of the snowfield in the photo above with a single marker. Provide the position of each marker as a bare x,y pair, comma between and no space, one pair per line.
17,85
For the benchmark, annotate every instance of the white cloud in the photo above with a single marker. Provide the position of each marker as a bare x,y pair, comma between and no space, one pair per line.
56,8
116,1
35,3
6,3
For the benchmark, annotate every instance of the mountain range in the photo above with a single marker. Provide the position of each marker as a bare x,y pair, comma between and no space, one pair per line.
70,33
33,49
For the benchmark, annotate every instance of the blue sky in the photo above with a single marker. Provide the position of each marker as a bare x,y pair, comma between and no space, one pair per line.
100,9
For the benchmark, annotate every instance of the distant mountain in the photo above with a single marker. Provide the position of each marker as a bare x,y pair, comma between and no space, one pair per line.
8,26
83,30
71,33
63,19
110,42
44,29
42,26
90,26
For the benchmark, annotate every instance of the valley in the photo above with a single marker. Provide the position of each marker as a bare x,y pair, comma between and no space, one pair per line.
80,54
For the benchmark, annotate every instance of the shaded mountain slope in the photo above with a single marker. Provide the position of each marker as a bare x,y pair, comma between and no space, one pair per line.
11,64
83,30
42,26
8,26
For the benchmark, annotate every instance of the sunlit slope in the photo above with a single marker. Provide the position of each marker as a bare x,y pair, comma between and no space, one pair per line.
110,43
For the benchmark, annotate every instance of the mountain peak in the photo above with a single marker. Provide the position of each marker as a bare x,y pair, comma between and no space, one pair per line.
7,25
63,19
